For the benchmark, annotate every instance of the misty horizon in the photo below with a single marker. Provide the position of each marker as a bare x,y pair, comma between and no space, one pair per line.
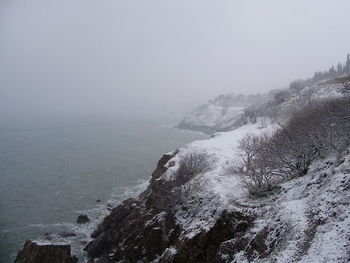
158,58
174,131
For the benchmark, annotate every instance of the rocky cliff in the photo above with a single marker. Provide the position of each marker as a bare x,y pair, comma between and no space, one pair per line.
211,219
196,210
208,216
145,229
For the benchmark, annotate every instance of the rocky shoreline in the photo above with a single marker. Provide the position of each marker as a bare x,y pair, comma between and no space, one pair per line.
204,215
144,229
294,221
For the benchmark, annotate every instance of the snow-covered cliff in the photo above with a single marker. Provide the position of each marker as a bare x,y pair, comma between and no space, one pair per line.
220,114
306,220
209,217
226,112
196,208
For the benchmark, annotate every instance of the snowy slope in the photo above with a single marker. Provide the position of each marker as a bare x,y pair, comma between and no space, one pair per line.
307,220
288,101
211,218
224,113
219,189
219,114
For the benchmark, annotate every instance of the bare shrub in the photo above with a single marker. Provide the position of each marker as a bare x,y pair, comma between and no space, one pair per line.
183,194
189,166
180,188
319,129
258,171
250,115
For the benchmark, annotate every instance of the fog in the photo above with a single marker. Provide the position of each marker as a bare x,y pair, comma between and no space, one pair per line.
151,58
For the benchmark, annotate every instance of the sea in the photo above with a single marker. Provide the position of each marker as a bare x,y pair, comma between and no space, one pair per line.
53,171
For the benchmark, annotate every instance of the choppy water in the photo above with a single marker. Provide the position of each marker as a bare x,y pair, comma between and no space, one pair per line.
52,173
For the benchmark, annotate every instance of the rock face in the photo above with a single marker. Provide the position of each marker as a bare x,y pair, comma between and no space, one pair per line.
35,253
82,219
145,229
305,219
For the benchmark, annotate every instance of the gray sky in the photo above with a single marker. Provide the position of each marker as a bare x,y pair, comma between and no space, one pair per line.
145,56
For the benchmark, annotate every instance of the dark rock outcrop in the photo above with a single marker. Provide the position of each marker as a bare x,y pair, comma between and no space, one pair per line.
126,232
82,219
144,229
34,253
204,247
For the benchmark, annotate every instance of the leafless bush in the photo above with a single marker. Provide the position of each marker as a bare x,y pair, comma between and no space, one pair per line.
179,189
182,194
319,129
258,171
189,166
250,115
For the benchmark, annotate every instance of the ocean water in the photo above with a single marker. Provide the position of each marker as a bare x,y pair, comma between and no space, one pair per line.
52,172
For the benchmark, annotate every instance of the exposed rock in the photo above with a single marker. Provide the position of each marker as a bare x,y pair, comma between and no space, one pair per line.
127,223
143,229
82,219
67,234
205,246
34,253
213,220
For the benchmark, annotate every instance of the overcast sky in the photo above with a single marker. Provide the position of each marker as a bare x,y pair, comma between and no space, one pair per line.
128,56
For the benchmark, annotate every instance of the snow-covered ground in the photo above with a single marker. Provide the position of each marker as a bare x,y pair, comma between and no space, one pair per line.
308,219
212,117
218,189
224,112
209,216
219,114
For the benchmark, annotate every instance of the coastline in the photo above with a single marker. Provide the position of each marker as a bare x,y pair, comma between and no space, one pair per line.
105,162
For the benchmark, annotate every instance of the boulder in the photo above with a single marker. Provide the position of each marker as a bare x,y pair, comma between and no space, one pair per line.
36,253
82,219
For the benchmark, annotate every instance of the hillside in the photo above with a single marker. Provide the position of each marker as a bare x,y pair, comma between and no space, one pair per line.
203,206
227,112
220,114
209,217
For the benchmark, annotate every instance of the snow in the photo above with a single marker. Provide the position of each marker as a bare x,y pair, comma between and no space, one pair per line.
156,218
219,189
315,213
310,212
308,218
329,245
49,243
213,116
222,113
